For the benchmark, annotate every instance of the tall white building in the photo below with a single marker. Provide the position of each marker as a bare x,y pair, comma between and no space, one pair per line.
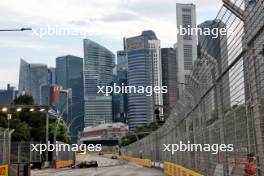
154,45
186,44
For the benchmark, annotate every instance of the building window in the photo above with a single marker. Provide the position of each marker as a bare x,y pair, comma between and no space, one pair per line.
187,55
186,10
187,22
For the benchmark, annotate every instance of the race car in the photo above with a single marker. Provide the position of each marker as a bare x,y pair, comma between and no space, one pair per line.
85,164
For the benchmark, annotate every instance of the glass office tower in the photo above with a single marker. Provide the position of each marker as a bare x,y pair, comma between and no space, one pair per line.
216,47
69,74
169,79
144,69
98,67
8,95
32,77
120,78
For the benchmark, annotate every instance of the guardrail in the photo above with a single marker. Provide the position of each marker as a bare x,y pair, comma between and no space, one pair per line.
177,170
143,162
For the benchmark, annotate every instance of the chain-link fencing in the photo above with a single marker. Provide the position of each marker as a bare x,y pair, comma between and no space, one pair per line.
223,102
4,146
64,153
23,152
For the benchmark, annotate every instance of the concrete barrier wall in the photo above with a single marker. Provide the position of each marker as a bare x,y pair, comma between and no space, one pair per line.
177,170
3,170
63,163
143,162
169,168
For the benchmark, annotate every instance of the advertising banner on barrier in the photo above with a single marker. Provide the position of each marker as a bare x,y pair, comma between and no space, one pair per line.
3,170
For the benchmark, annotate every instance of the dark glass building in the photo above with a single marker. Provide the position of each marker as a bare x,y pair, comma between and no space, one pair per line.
216,47
120,78
52,76
169,79
69,74
7,96
32,78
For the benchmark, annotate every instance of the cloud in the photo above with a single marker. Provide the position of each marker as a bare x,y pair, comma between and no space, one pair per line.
81,11
121,17
79,22
105,21
11,76
111,19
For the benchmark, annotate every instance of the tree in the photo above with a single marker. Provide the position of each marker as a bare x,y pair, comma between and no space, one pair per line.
62,134
141,132
24,100
128,139
31,126
22,130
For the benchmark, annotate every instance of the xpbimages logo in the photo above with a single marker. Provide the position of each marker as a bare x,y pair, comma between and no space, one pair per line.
189,147
213,32
148,90
41,148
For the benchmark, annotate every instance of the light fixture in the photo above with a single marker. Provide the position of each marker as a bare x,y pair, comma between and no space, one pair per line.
31,109
19,109
4,109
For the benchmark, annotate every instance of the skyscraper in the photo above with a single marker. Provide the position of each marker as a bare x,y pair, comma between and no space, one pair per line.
186,44
169,78
52,75
98,71
216,48
7,96
32,77
45,95
69,74
144,69
120,78
122,60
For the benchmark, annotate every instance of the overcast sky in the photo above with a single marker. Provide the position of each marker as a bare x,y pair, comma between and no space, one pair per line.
104,21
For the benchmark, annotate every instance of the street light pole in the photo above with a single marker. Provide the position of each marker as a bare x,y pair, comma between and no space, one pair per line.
10,30
9,117
9,145
47,135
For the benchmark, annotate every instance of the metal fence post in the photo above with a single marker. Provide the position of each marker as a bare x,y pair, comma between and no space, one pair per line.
47,135
9,145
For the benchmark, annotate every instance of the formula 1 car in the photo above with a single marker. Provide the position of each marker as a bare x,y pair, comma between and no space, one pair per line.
85,164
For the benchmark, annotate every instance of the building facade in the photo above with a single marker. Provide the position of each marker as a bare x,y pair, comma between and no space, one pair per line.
105,134
98,71
69,74
215,48
32,77
169,78
144,69
52,75
186,44
7,96
120,78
